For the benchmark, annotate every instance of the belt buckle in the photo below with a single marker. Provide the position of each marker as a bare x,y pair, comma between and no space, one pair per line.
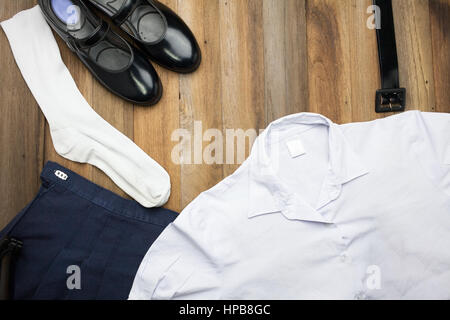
390,100
9,250
10,244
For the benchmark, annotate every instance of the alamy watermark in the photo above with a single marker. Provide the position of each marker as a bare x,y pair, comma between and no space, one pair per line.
73,281
373,280
374,21
211,146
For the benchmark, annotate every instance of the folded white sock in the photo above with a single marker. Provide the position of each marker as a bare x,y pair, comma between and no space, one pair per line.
78,132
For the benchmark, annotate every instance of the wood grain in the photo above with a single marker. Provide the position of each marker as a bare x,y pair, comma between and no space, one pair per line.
262,59
342,60
364,70
153,126
285,57
440,31
412,26
200,99
21,129
242,75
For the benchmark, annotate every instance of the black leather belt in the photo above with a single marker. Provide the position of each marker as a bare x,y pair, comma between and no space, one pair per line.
390,98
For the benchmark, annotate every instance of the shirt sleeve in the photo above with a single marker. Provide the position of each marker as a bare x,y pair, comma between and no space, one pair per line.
434,137
182,263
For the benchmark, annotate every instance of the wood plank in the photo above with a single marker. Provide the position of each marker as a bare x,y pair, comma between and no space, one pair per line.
285,56
275,62
414,47
342,60
440,31
21,129
200,95
296,56
242,78
363,63
153,127
328,59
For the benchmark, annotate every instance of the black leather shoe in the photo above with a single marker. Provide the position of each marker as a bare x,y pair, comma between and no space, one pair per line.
159,31
121,68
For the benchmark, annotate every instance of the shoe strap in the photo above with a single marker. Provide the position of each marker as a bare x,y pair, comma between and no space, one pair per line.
98,35
125,11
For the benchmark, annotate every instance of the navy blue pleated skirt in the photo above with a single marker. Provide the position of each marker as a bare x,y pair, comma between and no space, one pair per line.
80,241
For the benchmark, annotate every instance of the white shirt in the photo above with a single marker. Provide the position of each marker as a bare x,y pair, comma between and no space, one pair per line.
318,211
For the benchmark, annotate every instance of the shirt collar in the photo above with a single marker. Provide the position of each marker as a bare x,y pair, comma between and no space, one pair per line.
268,194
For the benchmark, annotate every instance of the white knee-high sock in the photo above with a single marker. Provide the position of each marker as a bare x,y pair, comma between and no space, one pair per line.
78,132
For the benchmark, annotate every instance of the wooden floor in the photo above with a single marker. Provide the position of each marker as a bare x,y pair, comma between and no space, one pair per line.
263,59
